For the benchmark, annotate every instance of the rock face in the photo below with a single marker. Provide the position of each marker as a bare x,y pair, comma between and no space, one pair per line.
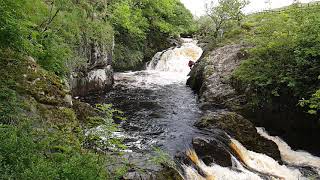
220,101
210,149
97,75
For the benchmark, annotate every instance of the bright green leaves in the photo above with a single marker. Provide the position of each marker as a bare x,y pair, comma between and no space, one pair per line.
53,31
129,18
313,103
143,26
285,59
23,155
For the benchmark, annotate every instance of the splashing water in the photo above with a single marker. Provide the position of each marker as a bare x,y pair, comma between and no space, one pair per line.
166,67
160,109
176,59
299,158
265,164
258,166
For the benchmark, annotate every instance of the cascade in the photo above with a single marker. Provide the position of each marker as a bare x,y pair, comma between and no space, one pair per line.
161,112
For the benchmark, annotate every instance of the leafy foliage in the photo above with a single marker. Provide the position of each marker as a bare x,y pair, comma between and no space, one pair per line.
222,24
142,28
25,157
285,58
42,137
53,32
313,103
102,127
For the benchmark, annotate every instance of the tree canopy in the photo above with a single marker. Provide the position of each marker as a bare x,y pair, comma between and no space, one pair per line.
285,59
143,26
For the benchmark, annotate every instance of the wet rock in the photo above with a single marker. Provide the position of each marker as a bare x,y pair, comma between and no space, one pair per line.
145,168
221,103
165,174
168,173
29,58
210,77
240,129
68,100
96,81
211,150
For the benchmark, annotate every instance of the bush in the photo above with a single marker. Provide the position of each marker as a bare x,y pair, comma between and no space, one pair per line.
24,156
285,59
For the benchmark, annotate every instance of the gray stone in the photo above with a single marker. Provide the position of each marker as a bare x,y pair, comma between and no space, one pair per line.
97,75
221,103
68,99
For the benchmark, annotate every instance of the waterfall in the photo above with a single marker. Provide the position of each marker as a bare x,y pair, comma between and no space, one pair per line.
256,167
298,158
176,59
249,165
167,67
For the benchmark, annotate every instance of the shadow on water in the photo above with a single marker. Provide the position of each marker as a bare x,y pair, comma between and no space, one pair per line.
157,115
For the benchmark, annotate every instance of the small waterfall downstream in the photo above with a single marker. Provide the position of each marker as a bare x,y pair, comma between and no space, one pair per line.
248,165
162,110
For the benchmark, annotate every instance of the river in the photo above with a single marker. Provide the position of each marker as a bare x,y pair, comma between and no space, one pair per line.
161,111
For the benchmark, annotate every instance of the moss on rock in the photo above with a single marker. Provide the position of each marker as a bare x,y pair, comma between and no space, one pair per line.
240,129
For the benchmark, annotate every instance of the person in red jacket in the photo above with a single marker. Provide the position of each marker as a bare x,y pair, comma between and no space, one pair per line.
191,64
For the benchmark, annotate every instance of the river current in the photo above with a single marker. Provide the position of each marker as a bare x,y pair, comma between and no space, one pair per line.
161,111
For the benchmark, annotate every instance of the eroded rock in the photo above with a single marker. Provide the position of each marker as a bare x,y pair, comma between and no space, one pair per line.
221,103
97,74
240,129
211,150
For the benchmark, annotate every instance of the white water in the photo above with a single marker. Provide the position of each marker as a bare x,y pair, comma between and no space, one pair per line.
171,68
167,67
176,60
299,158
261,163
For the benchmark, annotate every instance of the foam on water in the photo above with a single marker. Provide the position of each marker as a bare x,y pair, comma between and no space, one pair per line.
265,164
176,59
221,173
255,162
167,67
299,158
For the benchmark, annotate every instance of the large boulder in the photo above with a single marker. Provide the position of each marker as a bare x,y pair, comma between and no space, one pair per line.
97,74
221,103
211,150
240,129
96,81
210,77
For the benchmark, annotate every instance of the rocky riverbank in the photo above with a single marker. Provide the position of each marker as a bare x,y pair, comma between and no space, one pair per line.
220,102
96,76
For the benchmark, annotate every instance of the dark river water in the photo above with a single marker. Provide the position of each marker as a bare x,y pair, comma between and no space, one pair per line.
159,107
161,111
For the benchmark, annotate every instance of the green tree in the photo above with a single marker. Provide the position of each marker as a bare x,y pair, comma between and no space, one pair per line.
224,11
143,27
285,58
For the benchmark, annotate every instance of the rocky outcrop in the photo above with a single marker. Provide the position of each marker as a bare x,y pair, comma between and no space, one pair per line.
212,150
239,128
97,75
210,77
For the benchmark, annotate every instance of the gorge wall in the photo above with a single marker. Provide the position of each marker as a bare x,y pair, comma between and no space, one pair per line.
97,75
210,77
227,104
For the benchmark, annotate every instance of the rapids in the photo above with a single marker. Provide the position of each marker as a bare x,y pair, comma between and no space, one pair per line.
161,111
